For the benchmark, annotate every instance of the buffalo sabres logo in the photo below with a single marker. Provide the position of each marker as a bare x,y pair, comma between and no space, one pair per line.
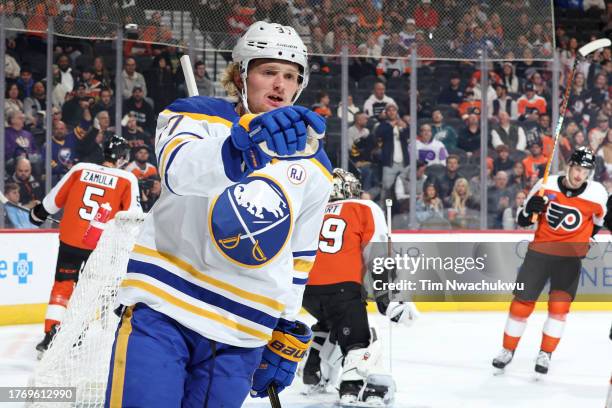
562,216
250,222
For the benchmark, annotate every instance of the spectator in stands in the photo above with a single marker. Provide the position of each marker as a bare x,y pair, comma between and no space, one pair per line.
161,83
86,11
402,185
536,161
137,106
35,103
92,85
359,128
303,18
429,149
12,99
18,142
509,78
25,81
443,132
469,104
352,110
150,190
517,177
322,105
132,79
408,34
133,133
529,103
89,148
509,216
508,133
540,86
425,16
392,132
469,137
597,135
75,111
429,207
453,94
13,22
598,93
205,85
17,218
140,166
63,150
376,103
502,103
105,103
101,74
450,176
461,205
11,68
31,191
502,162
67,77
605,152
498,199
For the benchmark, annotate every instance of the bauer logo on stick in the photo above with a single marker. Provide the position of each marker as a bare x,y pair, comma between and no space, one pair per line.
250,222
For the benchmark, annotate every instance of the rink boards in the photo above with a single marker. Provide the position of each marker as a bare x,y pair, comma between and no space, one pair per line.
27,266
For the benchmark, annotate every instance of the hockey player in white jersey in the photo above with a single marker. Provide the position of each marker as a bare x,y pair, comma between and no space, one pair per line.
216,278
344,347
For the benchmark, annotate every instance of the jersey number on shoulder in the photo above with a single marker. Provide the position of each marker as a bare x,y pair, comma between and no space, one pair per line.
90,207
332,232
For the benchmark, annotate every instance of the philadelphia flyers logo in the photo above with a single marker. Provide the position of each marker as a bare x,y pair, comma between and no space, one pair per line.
563,216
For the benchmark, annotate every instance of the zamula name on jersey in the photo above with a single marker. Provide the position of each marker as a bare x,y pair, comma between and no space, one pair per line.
101,179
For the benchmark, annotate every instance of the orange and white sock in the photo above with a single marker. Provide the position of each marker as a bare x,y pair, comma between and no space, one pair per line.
558,307
60,295
520,310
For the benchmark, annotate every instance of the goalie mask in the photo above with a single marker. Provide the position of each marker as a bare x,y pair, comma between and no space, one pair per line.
273,41
115,149
345,185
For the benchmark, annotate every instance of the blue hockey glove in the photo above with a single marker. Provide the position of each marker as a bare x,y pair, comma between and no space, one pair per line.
284,131
281,356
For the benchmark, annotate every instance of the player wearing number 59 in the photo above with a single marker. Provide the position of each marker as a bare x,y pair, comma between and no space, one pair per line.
85,189
215,281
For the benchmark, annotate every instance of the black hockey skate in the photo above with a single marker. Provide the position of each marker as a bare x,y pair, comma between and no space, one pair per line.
349,392
46,341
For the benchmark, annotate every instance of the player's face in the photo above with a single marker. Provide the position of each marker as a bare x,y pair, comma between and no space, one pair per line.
577,175
271,84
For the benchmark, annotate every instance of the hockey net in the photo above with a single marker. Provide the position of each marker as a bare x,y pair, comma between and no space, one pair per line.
79,355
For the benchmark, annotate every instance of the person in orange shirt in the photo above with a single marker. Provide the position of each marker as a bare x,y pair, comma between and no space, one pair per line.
529,103
570,212
334,293
81,193
536,160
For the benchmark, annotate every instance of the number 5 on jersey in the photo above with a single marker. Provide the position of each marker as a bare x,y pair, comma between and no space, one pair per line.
90,206
332,233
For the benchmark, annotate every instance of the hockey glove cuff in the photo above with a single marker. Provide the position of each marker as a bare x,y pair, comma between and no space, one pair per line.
38,215
281,356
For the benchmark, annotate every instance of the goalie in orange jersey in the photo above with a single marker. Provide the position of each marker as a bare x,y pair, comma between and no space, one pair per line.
82,191
570,212
344,345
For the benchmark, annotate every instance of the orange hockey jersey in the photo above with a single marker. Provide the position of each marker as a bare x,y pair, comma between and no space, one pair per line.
566,226
349,229
81,192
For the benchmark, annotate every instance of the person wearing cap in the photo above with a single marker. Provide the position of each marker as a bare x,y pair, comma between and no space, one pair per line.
453,94
470,104
92,85
507,133
502,103
469,136
425,16
215,281
75,110
408,33
138,106
530,102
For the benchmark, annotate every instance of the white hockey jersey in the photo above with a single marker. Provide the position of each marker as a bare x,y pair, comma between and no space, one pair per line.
222,254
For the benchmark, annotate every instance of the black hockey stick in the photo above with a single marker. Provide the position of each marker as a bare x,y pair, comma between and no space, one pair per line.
273,395
5,201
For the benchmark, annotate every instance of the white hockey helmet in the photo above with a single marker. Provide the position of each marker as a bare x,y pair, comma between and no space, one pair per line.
345,185
270,40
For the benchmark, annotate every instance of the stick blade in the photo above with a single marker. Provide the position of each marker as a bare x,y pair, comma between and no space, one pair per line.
594,45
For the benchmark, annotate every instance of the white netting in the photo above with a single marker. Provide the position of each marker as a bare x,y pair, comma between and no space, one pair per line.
79,355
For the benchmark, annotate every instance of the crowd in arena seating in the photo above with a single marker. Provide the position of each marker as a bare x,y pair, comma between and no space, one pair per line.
449,103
